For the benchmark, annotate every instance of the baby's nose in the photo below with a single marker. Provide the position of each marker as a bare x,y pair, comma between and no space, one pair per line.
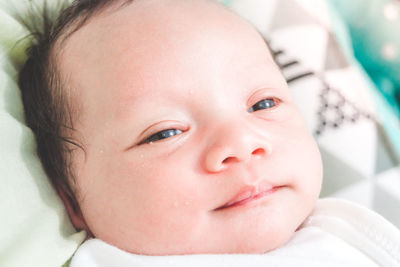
234,143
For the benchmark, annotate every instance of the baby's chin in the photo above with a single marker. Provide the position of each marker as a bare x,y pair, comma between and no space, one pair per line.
255,245
260,245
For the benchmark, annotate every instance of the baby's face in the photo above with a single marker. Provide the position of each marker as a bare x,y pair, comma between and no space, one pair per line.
193,142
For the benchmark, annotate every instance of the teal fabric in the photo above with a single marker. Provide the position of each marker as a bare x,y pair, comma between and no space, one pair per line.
371,31
227,2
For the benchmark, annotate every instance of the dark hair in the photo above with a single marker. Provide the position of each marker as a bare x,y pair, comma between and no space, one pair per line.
48,106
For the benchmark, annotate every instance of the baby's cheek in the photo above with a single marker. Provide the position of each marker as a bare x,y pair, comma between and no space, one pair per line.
146,216
303,165
310,177
168,206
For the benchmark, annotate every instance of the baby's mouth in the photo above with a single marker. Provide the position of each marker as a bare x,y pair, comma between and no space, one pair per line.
249,193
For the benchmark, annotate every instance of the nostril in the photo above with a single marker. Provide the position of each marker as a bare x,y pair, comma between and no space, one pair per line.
229,160
258,152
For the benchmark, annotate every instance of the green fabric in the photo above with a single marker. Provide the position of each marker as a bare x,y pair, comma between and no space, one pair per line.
35,229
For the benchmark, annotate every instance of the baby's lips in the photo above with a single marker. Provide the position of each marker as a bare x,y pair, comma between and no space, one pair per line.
246,192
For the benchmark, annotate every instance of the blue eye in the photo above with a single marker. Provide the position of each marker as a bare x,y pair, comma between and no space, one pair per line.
162,135
263,104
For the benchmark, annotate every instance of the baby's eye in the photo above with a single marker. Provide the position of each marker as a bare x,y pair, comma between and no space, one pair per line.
264,104
162,135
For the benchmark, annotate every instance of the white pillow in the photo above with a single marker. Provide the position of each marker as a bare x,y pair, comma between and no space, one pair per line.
35,229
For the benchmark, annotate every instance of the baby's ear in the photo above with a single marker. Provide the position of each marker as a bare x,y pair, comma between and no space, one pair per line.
73,209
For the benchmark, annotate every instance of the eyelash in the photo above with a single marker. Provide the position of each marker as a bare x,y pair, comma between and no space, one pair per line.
263,104
266,103
164,134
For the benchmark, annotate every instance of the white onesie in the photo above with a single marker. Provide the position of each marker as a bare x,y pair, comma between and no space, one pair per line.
337,233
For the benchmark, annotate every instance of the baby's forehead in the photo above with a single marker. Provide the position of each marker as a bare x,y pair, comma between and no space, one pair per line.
156,32
157,22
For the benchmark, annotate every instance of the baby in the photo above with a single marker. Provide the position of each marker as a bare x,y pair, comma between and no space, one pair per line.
168,129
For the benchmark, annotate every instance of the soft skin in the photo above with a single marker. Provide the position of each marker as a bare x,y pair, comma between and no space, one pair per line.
193,66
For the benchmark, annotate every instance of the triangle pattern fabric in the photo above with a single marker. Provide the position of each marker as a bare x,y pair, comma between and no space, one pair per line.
335,110
286,9
335,59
